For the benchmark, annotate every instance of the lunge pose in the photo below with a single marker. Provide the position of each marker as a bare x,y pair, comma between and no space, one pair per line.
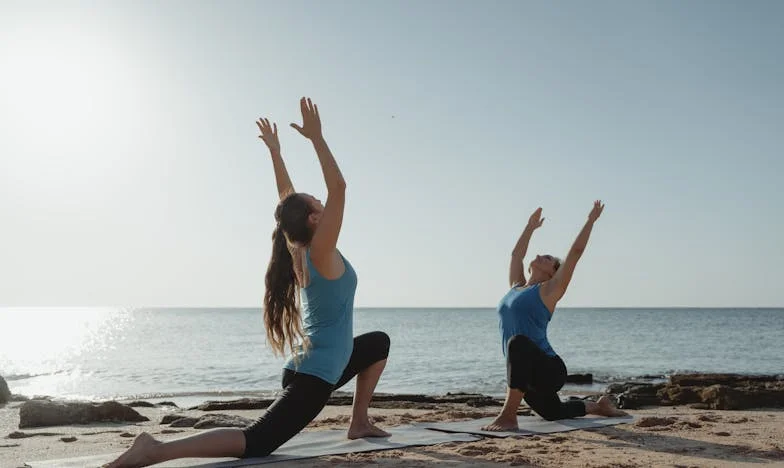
533,369
306,267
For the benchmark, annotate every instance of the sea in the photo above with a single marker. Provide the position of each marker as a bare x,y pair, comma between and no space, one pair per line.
197,354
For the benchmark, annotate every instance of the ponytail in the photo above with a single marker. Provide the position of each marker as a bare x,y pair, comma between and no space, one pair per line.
281,302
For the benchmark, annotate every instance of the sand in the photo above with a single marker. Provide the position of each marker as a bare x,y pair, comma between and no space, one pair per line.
663,436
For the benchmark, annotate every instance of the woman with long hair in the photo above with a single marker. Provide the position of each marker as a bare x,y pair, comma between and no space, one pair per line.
534,370
308,312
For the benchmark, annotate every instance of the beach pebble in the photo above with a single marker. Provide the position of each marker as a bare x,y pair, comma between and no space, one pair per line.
709,418
25,435
68,439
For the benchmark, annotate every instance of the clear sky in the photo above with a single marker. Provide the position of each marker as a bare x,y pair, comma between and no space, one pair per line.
131,175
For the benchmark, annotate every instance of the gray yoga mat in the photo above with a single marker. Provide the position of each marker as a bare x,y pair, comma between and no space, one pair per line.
529,425
303,445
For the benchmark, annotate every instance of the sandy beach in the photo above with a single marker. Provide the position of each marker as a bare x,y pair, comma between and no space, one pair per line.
661,436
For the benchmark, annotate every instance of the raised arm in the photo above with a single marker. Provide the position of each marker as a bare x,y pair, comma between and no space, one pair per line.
269,134
555,288
516,268
324,243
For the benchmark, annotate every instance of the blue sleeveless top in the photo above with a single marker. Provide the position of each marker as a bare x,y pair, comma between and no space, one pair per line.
522,312
328,322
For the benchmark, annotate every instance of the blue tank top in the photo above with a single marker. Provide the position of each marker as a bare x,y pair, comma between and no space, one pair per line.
328,322
522,312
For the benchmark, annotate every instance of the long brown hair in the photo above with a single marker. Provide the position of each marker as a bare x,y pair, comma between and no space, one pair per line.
282,318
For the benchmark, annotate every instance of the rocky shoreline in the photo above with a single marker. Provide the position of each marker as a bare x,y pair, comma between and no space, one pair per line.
704,391
698,391
666,431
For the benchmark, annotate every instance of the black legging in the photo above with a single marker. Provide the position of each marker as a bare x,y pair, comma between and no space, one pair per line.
304,396
539,376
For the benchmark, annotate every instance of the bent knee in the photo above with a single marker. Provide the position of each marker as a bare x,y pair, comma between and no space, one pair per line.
381,344
555,416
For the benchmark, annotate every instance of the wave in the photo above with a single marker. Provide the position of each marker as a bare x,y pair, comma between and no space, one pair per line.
15,377
186,394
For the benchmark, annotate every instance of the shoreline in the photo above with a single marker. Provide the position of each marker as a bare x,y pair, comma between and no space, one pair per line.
577,385
670,436
671,432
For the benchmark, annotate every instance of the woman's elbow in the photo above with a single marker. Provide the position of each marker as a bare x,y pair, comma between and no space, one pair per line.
339,185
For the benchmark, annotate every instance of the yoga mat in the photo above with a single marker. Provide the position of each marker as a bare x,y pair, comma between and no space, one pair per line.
304,445
529,425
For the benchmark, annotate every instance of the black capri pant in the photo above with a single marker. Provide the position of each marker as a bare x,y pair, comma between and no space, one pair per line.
539,376
304,396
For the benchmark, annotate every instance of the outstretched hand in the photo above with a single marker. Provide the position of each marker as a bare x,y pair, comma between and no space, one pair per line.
311,121
598,207
269,134
536,220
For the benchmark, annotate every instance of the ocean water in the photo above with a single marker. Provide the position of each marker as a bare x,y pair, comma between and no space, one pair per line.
179,353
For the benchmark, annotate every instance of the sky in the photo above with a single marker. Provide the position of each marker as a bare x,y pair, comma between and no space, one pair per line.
131,173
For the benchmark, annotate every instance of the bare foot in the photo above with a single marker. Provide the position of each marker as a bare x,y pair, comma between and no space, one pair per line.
365,429
607,408
138,455
502,423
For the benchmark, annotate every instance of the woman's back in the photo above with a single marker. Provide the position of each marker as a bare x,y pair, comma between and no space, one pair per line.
327,317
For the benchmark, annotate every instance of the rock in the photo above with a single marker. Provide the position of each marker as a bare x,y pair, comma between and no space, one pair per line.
209,421
25,435
170,418
412,401
168,403
616,388
690,424
127,435
68,439
620,387
241,404
140,404
705,380
39,413
170,431
705,391
709,418
5,393
586,379
184,422
724,397
639,396
652,421
700,406
677,395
